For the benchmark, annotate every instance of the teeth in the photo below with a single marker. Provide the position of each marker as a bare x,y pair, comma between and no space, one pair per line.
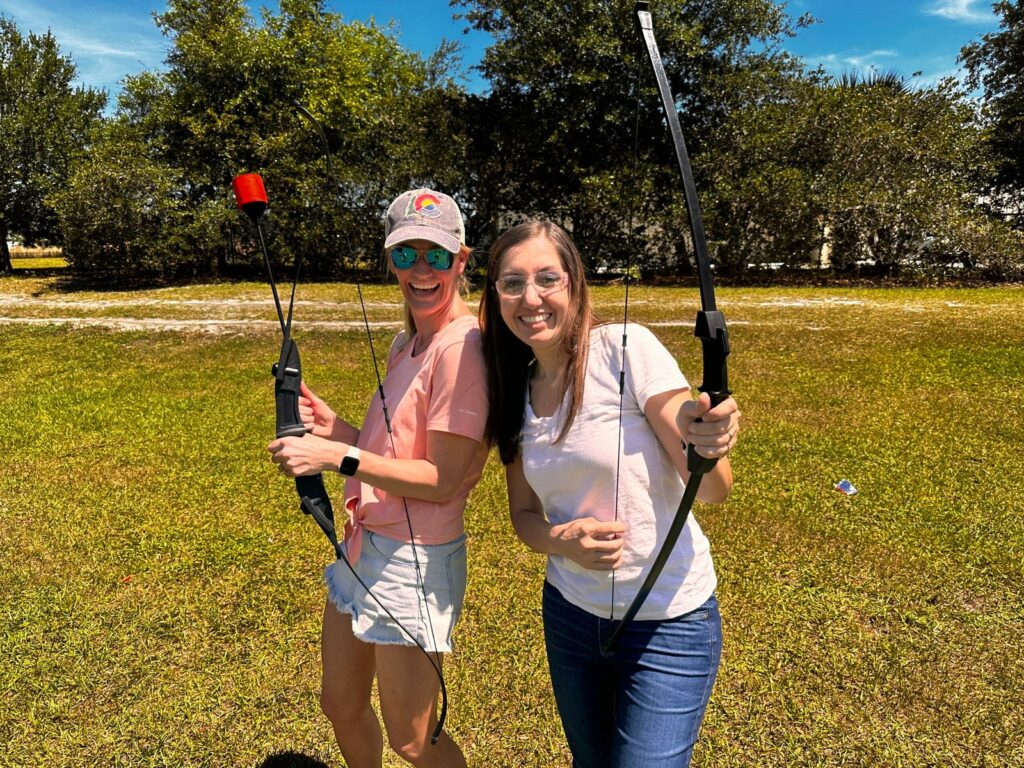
530,319
430,287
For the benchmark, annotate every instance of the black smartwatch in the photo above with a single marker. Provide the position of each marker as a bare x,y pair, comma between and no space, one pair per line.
350,463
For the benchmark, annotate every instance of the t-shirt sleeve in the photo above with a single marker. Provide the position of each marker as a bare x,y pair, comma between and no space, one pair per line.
458,400
650,368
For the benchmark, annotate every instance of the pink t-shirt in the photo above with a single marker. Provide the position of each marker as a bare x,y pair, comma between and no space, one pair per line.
444,388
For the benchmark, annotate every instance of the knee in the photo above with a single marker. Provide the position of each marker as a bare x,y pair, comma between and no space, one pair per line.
409,746
341,710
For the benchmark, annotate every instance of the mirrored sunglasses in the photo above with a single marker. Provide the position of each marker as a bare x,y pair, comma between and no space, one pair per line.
514,286
404,257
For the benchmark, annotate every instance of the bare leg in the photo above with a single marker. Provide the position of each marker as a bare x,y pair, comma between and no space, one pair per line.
348,670
408,688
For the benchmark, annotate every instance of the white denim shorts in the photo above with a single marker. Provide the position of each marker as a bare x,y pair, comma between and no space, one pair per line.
388,568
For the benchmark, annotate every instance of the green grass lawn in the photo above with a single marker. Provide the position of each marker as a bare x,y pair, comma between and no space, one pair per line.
162,593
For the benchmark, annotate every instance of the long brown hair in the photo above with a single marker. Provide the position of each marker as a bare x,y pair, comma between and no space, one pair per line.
508,359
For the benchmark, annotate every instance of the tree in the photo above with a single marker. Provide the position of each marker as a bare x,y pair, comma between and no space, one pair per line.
224,105
44,127
765,163
996,62
899,166
862,171
557,138
122,212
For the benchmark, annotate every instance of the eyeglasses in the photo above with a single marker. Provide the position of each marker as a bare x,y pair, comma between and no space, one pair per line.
514,286
404,257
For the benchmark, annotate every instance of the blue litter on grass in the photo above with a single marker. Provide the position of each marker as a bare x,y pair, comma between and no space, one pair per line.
845,486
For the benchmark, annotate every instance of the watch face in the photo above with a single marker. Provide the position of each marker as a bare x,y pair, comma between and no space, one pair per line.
349,465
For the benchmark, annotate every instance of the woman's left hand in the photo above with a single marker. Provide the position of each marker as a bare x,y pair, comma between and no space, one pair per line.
306,455
715,434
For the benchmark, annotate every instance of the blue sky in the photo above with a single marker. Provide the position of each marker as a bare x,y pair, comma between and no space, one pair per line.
905,35
109,39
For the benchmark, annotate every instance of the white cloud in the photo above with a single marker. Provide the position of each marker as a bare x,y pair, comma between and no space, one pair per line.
960,10
837,63
868,60
105,42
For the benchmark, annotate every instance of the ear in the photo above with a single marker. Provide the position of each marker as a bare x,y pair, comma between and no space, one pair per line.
462,258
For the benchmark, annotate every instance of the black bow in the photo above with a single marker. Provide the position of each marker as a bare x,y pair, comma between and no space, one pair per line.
287,380
710,326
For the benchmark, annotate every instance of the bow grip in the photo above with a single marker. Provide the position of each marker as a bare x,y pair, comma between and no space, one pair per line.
317,504
714,339
287,377
287,373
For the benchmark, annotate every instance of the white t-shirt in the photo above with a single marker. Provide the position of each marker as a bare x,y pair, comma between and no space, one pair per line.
575,478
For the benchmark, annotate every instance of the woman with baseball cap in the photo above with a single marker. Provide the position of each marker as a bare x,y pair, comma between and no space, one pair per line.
405,497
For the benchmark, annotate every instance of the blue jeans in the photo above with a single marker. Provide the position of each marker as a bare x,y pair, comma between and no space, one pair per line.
642,706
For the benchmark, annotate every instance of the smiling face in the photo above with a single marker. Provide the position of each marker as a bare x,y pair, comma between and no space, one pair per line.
429,292
535,319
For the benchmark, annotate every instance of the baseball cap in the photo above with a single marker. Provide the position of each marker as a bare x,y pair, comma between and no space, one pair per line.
423,214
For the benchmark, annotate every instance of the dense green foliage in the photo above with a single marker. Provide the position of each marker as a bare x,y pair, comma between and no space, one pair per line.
224,106
121,211
859,171
562,116
795,169
791,165
44,127
162,590
996,62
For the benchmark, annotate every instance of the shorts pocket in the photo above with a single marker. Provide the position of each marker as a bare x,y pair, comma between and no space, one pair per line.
390,551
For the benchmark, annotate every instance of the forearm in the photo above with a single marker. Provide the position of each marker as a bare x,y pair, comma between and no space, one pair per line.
535,532
411,478
343,432
716,484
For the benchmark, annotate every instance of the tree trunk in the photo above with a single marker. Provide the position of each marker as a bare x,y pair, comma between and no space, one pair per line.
5,254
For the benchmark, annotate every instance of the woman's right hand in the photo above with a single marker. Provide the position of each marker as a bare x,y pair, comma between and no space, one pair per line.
593,544
316,415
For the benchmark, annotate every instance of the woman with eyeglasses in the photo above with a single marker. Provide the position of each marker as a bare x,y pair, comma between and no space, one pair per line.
594,481
405,497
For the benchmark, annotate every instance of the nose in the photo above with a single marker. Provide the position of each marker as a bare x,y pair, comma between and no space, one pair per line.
421,266
531,296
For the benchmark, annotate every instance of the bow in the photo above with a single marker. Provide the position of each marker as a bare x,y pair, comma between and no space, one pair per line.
252,199
710,326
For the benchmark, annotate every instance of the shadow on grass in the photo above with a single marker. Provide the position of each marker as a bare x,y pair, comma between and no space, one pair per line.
68,282
20,271
291,760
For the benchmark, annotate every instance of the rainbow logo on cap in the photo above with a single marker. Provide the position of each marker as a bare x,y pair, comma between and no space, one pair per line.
427,205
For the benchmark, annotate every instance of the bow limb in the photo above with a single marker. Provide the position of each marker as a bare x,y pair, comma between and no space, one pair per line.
251,197
710,326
